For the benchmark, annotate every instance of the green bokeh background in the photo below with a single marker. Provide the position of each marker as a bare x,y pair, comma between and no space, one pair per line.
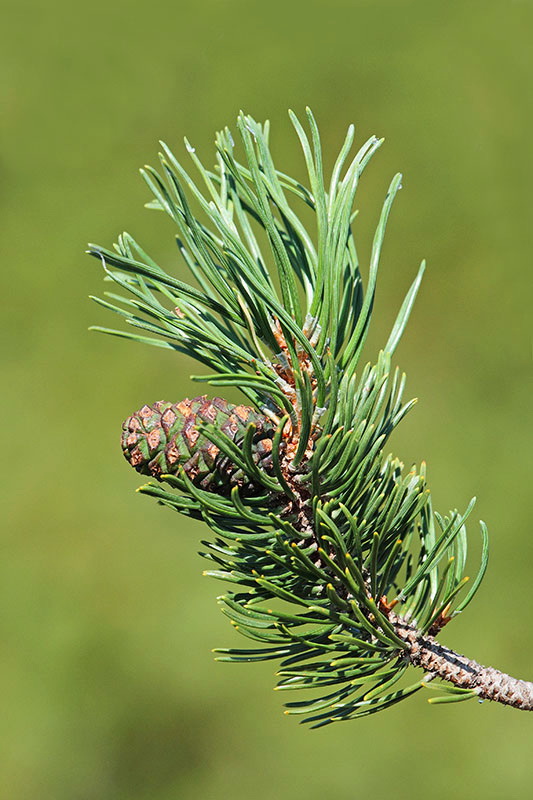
109,689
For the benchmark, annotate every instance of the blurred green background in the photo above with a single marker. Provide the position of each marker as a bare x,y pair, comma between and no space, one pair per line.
109,689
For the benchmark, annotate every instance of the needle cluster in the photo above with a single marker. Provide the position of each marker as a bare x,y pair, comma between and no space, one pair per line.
335,556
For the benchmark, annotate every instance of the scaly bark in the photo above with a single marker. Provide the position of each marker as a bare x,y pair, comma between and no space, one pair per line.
490,684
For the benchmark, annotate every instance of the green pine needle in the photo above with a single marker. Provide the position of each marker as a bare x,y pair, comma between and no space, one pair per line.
279,310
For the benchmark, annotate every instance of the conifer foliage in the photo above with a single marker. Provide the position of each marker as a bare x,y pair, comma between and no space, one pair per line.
336,565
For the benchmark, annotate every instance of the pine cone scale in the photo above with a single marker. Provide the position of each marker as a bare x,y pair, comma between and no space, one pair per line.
161,438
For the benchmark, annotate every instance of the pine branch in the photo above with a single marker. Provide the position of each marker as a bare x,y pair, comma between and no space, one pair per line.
467,675
336,564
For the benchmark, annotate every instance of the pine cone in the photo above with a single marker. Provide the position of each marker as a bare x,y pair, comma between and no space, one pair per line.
159,439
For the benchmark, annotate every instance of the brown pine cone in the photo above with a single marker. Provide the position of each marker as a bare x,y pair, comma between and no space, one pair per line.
159,439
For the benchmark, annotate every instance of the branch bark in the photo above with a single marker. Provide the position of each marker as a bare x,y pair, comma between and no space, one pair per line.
491,684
